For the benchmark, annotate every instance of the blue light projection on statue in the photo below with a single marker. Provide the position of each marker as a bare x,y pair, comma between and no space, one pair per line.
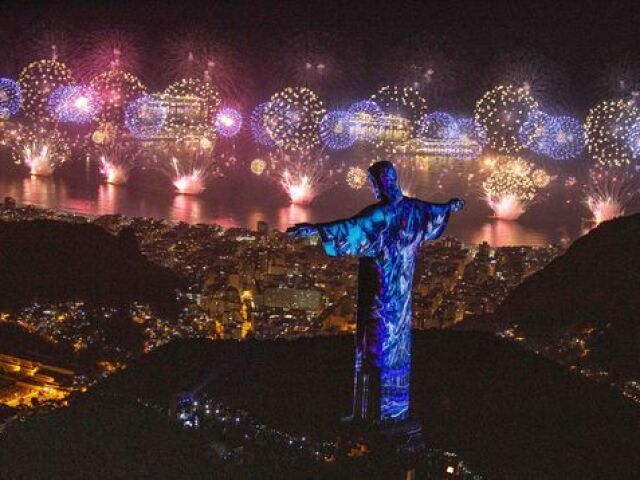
386,236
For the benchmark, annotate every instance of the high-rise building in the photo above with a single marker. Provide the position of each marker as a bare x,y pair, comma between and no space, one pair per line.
9,203
263,227
292,298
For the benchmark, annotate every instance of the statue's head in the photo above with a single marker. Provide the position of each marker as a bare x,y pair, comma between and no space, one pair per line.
384,180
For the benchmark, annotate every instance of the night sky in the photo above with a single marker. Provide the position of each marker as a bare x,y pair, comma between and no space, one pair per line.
581,48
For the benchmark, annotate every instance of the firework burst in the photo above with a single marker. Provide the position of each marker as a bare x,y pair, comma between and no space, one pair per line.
257,124
116,88
10,98
512,186
438,126
607,193
302,176
404,102
41,149
367,120
109,50
188,162
608,126
228,122
145,117
37,82
356,177
258,166
74,104
469,131
502,112
117,154
566,139
194,87
292,118
335,130
535,132
508,194
540,178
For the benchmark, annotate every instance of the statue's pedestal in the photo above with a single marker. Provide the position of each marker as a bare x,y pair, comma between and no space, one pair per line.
404,439
397,447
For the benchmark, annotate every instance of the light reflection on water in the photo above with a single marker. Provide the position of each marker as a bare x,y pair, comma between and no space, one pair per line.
234,209
503,232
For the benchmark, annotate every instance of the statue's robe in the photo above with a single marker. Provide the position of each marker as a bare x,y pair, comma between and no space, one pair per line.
386,236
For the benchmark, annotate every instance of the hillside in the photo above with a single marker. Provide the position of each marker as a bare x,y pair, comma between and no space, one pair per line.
507,411
49,261
98,438
594,286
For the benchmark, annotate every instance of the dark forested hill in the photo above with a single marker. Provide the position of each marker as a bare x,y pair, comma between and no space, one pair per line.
102,439
507,411
57,261
596,283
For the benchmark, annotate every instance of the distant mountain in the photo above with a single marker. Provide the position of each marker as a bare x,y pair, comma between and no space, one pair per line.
50,261
595,286
508,412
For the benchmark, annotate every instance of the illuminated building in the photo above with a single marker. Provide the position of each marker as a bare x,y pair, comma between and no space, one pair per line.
439,149
368,127
292,299
396,129
262,227
184,114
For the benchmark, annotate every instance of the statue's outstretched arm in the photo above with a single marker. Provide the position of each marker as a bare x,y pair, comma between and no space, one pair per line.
358,235
437,217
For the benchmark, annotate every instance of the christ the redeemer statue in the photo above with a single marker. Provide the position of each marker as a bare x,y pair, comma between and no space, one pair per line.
386,236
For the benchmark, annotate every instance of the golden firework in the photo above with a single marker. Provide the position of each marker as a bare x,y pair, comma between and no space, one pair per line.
356,178
608,125
540,178
37,81
292,117
117,88
257,166
194,87
501,112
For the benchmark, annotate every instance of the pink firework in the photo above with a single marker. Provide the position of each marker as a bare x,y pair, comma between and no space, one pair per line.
192,183
186,55
113,173
188,163
301,189
608,193
604,208
194,55
303,176
116,152
506,207
40,149
109,50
